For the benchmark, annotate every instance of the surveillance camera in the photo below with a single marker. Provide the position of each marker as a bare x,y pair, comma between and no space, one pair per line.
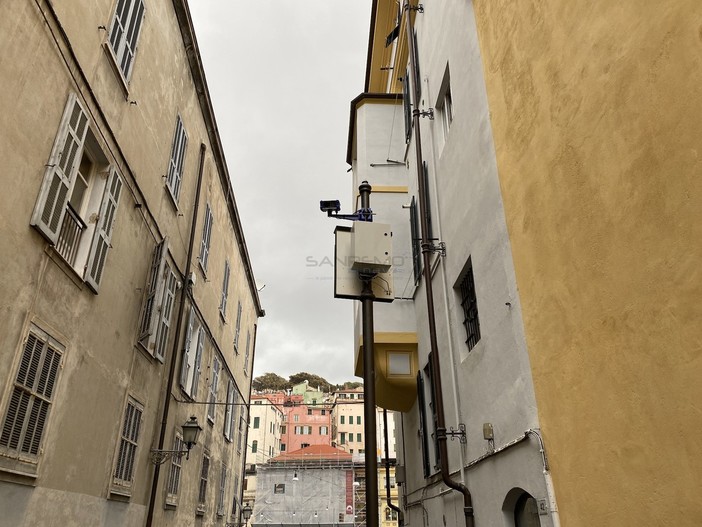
329,206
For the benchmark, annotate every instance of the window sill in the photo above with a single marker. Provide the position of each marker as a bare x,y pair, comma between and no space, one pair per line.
119,494
123,84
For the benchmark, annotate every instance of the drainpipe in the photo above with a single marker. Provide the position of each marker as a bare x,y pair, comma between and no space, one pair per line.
426,260
398,510
174,354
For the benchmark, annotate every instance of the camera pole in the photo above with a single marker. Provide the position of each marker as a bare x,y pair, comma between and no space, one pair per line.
369,425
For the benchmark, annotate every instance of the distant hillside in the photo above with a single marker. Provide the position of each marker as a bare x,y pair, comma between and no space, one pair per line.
273,381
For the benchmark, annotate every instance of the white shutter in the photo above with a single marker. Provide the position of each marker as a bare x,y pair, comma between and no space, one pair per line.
155,283
213,390
103,230
206,235
198,361
238,327
164,312
229,411
124,33
225,289
185,364
61,170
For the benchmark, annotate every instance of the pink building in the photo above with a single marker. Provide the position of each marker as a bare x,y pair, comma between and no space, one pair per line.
303,424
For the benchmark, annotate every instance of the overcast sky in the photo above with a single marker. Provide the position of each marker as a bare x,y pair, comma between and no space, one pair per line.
281,74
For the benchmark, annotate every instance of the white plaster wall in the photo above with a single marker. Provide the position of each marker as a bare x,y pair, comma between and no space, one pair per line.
492,382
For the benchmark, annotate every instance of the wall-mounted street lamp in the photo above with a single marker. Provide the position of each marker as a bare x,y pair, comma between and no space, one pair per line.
191,431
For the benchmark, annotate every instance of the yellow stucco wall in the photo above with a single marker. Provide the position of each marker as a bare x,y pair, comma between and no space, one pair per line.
597,119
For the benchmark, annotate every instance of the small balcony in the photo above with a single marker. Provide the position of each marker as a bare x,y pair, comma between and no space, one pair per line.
69,238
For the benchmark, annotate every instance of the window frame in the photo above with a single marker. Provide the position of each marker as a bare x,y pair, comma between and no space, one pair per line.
468,300
175,471
129,436
119,44
28,385
205,242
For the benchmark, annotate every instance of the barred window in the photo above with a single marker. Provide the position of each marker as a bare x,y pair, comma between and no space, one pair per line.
469,303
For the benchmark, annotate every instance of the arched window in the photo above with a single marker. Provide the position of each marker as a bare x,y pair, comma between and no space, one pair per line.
526,512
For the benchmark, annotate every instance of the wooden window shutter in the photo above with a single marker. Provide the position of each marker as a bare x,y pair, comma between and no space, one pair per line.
103,230
185,364
148,319
164,312
61,170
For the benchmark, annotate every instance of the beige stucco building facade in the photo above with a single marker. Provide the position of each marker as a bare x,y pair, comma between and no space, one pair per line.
558,170
128,300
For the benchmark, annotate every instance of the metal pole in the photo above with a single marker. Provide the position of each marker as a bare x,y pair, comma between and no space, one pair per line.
369,385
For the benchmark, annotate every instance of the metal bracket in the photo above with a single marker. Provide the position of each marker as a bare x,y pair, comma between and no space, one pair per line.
438,248
418,7
460,433
428,113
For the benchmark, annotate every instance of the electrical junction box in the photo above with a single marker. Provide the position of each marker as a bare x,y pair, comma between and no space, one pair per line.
371,247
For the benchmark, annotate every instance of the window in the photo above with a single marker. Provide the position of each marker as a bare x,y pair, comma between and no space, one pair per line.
323,412
174,176
242,425
213,390
225,290
390,515
79,196
237,328
279,488
304,445
248,350
206,237
444,103
192,355
126,457
124,33
254,446
174,474
230,412
204,475
446,110
323,430
358,438
282,447
342,438
158,305
296,418
469,303
342,419
283,429
309,411
222,490
358,419
298,430
350,419
32,395
256,422
350,437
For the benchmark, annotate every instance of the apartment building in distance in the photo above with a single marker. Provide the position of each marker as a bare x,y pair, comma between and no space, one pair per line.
128,299
538,164
347,418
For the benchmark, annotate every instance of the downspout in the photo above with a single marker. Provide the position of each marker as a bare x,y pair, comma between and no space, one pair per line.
426,260
174,355
246,434
400,516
